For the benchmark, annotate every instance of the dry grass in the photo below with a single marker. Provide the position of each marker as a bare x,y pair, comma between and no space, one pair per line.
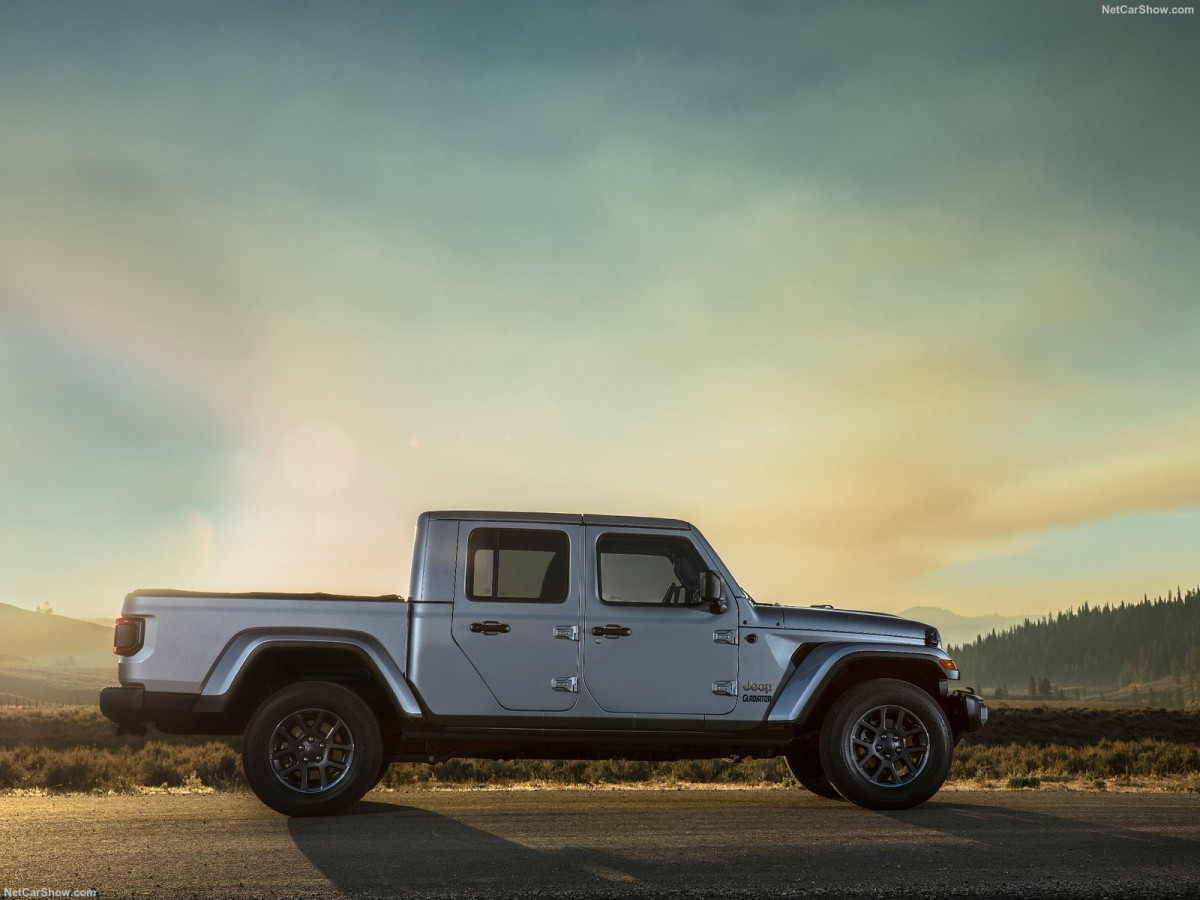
64,727
214,764
27,683
589,773
1083,726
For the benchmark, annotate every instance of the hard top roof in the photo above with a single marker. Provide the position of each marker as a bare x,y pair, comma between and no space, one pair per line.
559,518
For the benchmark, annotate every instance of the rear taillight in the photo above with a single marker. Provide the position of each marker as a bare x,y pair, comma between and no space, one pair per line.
127,638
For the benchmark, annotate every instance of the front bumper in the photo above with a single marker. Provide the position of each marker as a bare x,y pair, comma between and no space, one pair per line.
966,710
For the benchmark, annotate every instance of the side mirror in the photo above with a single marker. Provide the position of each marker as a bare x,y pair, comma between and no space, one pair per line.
712,591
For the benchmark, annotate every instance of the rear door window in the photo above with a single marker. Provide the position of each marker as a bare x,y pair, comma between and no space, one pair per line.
510,564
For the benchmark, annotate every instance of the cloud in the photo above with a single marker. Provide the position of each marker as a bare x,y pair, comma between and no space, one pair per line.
1078,495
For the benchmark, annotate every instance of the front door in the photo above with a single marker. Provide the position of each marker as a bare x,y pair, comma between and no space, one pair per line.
516,611
649,646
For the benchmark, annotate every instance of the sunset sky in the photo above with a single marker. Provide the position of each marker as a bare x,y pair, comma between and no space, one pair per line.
897,302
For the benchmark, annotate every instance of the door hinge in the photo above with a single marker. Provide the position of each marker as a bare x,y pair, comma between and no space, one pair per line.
725,636
727,688
567,632
568,683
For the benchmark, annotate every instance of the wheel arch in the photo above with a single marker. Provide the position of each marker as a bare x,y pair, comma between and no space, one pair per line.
256,664
829,670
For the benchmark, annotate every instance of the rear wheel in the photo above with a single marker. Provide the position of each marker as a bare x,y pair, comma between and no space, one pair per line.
886,745
312,749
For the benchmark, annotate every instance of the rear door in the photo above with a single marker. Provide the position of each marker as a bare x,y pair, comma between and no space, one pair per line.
649,647
517,611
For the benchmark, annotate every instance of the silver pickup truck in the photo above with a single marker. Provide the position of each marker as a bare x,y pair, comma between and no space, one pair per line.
530,635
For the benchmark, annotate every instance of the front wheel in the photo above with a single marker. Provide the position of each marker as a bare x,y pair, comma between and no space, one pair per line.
886,745
312,749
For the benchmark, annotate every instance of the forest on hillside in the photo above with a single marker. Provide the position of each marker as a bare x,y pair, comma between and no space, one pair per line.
1093,649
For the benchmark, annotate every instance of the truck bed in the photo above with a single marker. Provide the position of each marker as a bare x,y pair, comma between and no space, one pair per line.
263,595
193,639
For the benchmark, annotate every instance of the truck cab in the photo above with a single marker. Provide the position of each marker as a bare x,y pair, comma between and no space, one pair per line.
563,618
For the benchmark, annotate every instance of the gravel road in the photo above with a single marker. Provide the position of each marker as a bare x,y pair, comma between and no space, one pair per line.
569,844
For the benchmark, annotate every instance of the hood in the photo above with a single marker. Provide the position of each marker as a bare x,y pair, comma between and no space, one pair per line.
838,622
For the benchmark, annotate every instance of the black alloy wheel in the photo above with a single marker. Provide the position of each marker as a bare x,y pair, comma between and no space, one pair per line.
886,744
312,749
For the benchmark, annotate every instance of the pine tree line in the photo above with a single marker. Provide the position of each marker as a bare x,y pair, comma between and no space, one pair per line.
1094,648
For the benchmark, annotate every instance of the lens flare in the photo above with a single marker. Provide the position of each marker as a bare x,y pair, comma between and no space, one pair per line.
317,459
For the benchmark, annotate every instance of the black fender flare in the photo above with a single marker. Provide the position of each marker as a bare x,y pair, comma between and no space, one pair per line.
818,669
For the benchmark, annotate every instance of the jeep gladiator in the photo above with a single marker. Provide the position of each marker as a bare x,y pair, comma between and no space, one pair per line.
549,636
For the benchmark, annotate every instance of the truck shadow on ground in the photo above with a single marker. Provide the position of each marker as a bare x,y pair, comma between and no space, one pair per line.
386,848
379,848
998,829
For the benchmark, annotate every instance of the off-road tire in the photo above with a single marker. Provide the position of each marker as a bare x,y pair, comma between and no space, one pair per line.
311,749
886,744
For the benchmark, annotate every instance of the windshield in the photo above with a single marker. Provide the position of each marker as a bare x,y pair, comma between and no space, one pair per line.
721,567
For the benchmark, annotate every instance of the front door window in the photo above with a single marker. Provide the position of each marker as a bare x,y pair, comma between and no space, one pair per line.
648,571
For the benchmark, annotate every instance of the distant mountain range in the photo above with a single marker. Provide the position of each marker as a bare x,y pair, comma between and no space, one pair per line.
957,630
50,639
49,658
